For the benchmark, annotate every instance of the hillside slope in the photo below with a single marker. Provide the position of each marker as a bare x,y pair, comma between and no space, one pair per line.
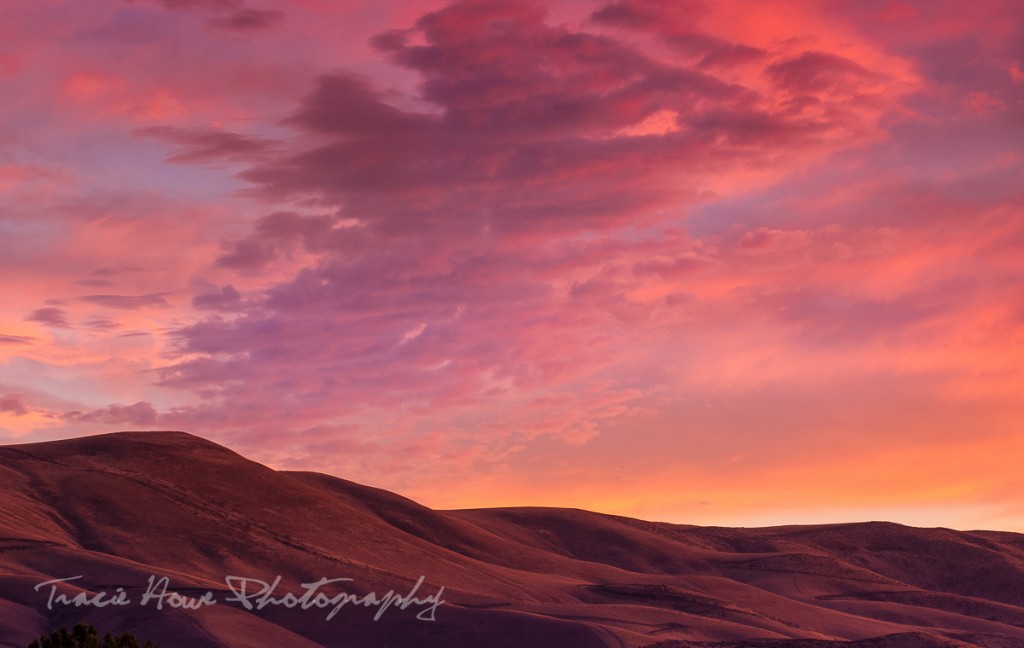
126,510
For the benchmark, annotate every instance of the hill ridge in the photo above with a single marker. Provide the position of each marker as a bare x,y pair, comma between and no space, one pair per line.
121,507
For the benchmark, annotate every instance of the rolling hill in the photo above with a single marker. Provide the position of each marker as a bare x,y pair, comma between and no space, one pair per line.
174,520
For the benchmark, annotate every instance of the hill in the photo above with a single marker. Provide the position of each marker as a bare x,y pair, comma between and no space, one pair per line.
167,520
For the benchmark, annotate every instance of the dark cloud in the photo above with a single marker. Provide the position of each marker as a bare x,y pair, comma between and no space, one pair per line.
348,105
248,254
552,119
248,20
236,16
275,234
813,72
714,52
756,239
16,339
670,267
522,103
95,283
50,316
13,405
139,414
101,324
208,144
126,302
206,376
218,5
112,272
652,14
105,277
676,24
226,299
833,321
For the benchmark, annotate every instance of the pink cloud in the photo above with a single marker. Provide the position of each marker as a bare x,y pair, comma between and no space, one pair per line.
981,103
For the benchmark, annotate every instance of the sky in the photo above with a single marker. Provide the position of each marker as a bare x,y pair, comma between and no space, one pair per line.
706,262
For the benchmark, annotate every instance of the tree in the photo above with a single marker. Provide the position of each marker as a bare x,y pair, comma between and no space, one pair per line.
84,635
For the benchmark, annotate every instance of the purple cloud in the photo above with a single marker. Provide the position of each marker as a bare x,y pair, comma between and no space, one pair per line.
435,276
208,144
126,302
13,405
676,23
247,20
16,339
50,316
227,299
813,72
199,4
140,414
277,233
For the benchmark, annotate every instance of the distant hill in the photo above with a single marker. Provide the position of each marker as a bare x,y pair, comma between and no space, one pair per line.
126,510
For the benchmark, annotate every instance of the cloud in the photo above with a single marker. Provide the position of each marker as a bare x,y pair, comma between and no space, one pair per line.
14,175
982,103
16,339
677,24
237,17
113,272
13,405
140,414
714,52
50,316
815,72
637,14
247,20
279,233
126,302
248,253
497,243
562,121
227,299
107,277
765,239
208,144
218,5
493,245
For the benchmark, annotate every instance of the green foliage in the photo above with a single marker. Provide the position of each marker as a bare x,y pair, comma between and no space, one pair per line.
84,635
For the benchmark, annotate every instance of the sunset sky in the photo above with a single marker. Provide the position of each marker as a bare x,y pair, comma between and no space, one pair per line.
736,263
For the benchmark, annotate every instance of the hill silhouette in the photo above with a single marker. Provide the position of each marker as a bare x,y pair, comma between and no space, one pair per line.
129,509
